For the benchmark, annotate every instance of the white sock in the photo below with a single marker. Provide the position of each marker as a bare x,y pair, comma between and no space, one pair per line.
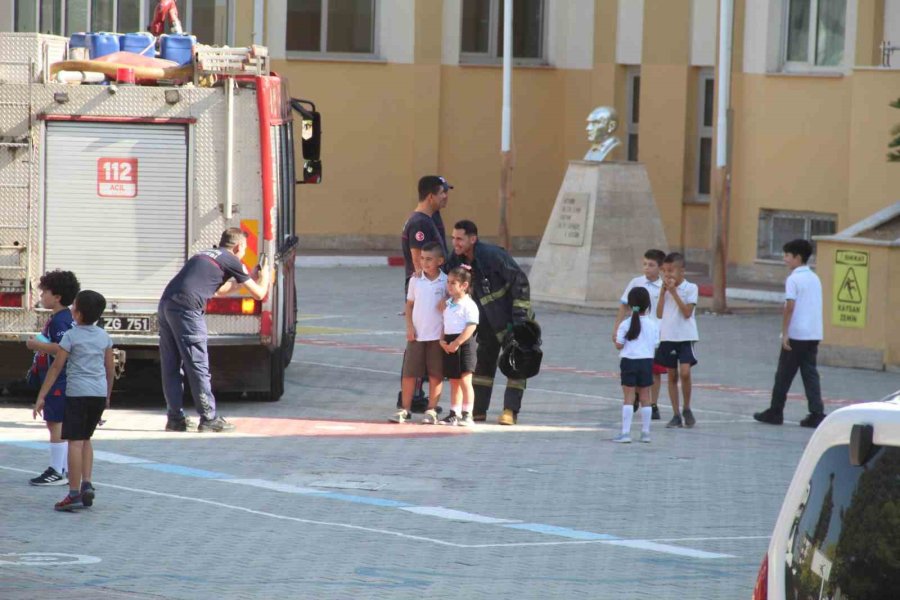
456,408
59,456
627,412
646,412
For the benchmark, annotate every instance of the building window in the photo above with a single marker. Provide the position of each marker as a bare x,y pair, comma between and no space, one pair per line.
816,33
706,106
331,26
482,31
65,17
633,113
777,227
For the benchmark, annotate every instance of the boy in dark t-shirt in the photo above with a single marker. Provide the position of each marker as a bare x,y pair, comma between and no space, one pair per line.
58,290
182,327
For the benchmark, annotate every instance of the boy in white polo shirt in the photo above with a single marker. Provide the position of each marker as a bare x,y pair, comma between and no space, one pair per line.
801,332
677,335
424,327
652,282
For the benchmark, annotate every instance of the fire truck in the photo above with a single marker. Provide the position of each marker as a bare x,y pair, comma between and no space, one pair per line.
121,183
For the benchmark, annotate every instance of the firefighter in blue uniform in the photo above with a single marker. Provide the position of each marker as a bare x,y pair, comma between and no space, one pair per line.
501,290
182,327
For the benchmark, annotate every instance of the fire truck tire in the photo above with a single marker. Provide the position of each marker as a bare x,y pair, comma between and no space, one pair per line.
276,377
290,335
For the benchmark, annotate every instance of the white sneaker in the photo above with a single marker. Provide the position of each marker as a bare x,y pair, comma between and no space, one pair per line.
401,416
466,420
622,439
430,418
645,437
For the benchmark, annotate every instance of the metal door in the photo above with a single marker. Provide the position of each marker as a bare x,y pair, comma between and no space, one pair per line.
116,206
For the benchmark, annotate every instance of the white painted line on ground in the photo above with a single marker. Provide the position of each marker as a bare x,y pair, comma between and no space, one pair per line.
636,544
455,515
262,513
666,548
713,539
274,486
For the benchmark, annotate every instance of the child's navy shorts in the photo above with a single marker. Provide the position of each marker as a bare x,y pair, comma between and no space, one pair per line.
82,415
636,372
669,354
461,361
55,406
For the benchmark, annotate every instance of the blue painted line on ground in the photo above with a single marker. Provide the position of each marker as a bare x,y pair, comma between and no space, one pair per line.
561,531
29,445
186,471
540,528
363,499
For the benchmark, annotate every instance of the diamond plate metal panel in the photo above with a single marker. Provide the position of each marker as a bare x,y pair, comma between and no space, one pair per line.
19,50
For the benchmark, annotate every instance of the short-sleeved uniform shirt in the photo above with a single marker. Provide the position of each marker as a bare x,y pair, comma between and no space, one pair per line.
642,347
459,315
202,275
426,294
86,366
439,223
674,327
653,287
54,330
418,230
805,289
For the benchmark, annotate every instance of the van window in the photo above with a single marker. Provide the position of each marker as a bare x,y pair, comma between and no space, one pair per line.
843,541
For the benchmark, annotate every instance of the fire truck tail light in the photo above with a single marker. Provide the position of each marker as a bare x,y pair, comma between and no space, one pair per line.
761,591
11,299
233,306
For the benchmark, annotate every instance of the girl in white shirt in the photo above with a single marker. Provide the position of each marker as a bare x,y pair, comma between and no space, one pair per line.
637,338
460,322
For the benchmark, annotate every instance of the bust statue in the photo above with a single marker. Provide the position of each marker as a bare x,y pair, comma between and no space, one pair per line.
602,122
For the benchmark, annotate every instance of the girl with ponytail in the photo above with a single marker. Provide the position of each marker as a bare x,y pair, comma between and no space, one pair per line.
636,339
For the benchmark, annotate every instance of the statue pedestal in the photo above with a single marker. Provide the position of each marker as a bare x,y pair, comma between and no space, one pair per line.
603,221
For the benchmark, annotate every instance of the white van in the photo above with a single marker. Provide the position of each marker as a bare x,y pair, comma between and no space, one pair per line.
838,533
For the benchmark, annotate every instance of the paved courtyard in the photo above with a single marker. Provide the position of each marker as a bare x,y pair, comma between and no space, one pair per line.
316,496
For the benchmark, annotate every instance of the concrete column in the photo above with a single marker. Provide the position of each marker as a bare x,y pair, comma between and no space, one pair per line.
665,80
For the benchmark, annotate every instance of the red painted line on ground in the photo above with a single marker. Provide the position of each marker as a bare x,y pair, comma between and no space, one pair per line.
716,387
331,428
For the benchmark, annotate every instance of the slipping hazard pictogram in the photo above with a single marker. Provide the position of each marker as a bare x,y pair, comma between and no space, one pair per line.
849,291
850,288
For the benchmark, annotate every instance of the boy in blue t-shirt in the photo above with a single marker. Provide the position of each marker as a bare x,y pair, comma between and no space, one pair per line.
58,290
85,352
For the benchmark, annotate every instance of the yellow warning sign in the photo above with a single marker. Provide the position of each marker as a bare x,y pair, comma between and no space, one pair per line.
851,288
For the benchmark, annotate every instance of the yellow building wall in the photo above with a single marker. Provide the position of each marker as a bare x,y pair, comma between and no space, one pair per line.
874,182
791,151
243,24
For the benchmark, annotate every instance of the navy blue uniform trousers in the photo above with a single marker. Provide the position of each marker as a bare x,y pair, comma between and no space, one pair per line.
182,352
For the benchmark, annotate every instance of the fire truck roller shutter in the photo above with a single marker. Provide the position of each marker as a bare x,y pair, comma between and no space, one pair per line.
116,205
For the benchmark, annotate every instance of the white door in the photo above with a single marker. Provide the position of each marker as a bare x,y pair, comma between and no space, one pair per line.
116,206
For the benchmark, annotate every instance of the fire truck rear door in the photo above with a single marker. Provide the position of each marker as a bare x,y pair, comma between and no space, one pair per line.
116,206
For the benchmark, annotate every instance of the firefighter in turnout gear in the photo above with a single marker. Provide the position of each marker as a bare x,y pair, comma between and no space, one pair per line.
501,291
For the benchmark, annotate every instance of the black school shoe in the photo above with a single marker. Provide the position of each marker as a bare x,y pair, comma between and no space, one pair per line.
217,425
812,420
183,424
771,417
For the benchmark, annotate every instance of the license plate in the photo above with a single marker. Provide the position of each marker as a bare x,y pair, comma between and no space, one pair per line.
125,323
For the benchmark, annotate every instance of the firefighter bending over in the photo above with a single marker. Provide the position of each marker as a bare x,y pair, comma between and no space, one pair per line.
182,327
501,291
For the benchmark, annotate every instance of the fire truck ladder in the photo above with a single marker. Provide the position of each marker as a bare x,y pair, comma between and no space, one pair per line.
16,202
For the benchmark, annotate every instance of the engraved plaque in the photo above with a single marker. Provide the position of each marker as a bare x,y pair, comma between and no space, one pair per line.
568,230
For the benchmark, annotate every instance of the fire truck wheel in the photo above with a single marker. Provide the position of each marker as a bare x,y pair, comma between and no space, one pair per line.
276,377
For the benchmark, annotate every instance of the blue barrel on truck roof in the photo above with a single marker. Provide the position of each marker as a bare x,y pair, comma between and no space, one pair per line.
177,47
102,43
78,40
140,42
